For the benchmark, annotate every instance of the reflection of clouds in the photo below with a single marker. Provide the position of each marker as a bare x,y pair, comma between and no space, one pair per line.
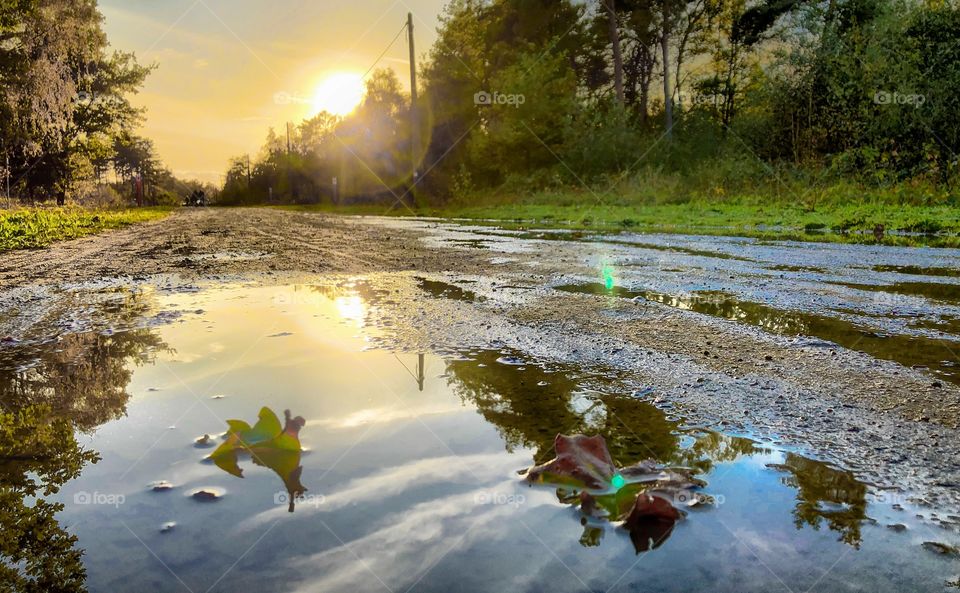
396,480
767,546
405,548
383,416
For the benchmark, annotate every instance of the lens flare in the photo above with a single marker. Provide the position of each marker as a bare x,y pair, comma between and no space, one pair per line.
608,280
617,481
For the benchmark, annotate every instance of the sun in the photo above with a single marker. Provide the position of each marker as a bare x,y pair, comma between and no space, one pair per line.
339,93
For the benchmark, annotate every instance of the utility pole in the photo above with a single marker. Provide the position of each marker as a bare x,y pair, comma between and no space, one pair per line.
248,171
6,170
414,114
289,183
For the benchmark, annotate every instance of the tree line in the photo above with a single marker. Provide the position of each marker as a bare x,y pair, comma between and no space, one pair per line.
66,120
539,94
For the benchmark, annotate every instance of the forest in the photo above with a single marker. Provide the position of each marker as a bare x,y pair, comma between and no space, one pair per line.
644,101
68,129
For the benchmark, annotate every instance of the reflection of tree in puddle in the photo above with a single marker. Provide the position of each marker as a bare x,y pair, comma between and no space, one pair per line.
38,454
47,393
82,377
530,406
826,494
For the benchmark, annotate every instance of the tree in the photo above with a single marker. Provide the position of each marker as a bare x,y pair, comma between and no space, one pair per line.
62,93
614,29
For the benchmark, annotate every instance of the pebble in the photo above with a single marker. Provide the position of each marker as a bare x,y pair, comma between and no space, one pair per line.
206,496
203,442
941,548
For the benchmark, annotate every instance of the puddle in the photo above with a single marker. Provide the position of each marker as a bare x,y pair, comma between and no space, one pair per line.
788,268
934,354
446,290
935,291
409,468
919,271
614,238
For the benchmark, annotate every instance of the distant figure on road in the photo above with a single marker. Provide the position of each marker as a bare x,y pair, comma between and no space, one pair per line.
197,199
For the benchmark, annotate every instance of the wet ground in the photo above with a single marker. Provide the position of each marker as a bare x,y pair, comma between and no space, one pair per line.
811,387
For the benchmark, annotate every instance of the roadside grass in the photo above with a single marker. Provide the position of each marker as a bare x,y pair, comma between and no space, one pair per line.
34,228
840,213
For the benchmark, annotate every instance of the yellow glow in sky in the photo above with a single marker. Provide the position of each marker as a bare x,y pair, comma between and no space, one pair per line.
221,66
339,93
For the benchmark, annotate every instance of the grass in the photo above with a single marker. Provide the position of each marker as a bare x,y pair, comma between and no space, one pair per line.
839,213
39,227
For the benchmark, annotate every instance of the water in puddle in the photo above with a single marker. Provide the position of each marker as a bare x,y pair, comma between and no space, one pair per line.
935,291
934,354
920,271
410,464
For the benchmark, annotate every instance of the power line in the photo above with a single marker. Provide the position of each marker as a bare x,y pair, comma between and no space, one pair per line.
374,65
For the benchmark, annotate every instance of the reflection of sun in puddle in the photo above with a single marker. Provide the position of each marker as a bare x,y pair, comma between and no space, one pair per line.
351,308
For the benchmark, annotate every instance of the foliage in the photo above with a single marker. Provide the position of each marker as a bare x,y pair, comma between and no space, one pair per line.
65,111
796,99
38,454
38,227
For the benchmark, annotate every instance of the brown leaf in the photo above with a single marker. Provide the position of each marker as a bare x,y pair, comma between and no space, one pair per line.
581,461
651,522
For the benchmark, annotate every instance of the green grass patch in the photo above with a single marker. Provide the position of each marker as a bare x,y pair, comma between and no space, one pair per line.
841,213
39,227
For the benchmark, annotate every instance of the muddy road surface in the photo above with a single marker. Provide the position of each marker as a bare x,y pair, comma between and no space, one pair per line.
845,355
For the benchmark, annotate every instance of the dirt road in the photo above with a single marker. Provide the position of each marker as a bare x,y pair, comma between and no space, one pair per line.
893,422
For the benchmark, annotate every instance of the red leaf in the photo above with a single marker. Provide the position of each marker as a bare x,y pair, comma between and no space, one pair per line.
581,460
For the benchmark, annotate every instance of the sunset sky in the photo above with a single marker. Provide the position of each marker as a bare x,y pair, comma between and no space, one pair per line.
230,69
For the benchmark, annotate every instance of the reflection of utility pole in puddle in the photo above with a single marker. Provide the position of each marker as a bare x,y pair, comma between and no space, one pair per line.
420,376
420,371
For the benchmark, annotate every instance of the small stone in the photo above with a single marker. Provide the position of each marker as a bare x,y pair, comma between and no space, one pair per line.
203,442
898,527
941,548
206,496
161,486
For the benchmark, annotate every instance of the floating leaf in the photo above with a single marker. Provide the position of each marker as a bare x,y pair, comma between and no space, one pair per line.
581,461
269,444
